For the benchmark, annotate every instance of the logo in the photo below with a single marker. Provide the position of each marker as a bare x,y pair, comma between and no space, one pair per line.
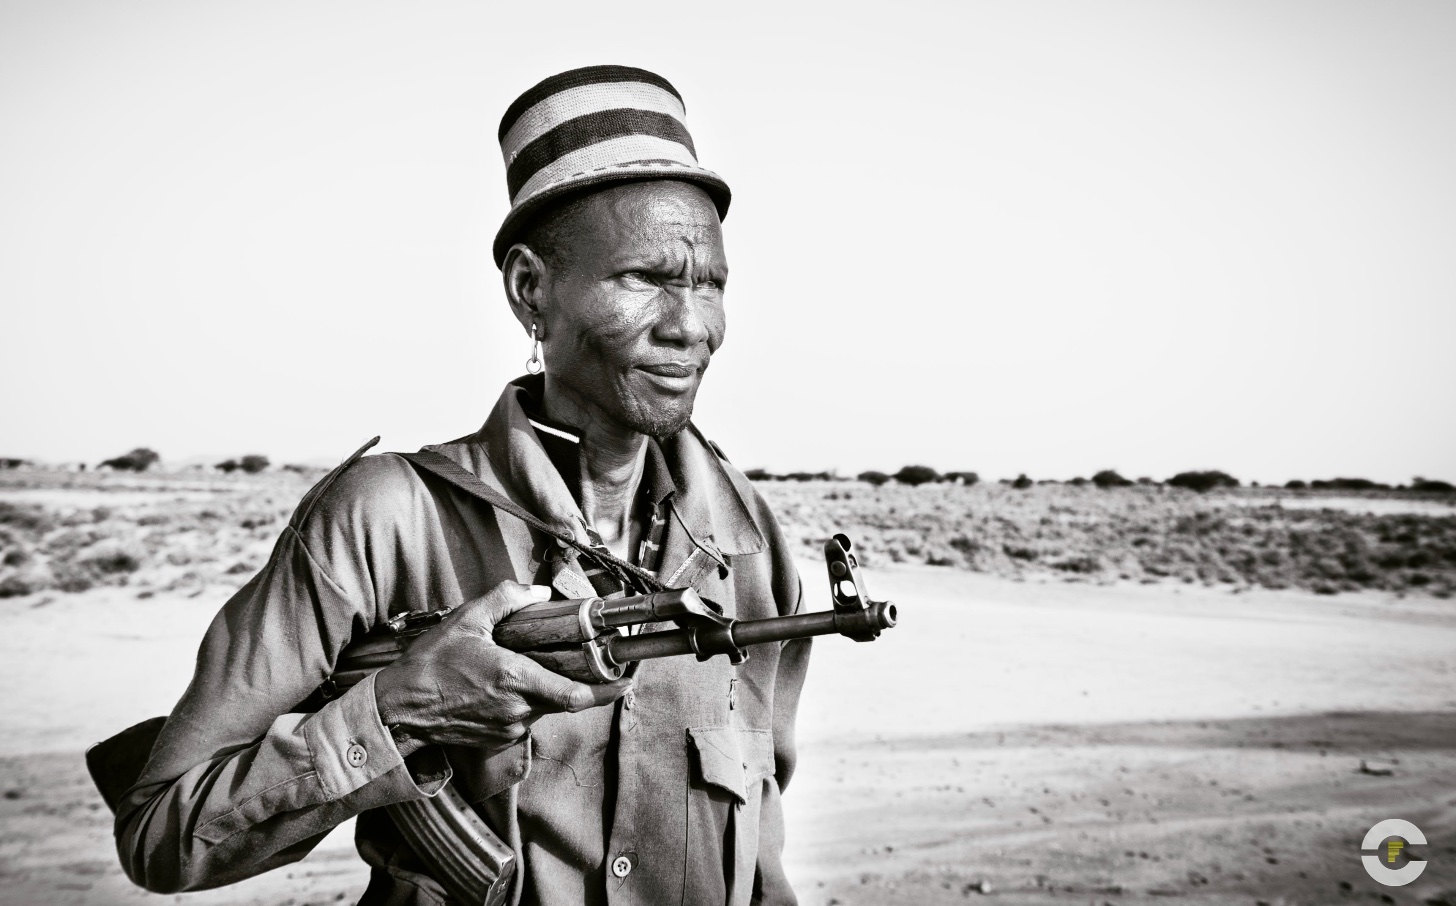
1392,866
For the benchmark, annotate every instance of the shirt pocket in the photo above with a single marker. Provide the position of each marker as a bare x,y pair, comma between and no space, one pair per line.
730,766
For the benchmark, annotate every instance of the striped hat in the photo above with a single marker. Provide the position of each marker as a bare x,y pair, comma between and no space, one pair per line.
593,126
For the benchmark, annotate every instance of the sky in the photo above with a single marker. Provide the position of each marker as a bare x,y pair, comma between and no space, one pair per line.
1006,237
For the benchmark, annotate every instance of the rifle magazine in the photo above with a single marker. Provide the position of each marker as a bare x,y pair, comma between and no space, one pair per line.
467,857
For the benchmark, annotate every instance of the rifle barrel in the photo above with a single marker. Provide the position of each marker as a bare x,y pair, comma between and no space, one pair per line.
673,642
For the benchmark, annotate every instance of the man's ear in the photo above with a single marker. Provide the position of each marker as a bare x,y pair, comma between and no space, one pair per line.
524,274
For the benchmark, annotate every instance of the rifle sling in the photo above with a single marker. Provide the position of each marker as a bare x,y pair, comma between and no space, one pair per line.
452,473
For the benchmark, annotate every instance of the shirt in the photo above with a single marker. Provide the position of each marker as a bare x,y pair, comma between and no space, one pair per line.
685,785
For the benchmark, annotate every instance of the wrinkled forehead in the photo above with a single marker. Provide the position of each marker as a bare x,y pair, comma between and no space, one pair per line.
658,216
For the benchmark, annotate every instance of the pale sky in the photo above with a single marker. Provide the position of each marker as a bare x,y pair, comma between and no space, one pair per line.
1014,237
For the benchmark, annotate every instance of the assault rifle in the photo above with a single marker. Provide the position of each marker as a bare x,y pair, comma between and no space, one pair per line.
584,639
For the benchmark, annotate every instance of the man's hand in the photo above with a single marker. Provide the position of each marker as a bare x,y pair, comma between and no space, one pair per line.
456,686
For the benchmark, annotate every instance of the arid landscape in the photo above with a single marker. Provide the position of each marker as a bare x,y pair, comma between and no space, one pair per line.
179,532
1127,695
1176,278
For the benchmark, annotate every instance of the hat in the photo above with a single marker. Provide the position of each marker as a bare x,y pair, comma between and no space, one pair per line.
590,127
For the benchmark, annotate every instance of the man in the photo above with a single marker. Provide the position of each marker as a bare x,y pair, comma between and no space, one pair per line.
659,788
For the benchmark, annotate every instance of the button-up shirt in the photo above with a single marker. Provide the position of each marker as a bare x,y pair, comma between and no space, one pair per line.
675,799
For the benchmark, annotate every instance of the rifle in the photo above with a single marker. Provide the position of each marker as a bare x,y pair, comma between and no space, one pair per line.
584,639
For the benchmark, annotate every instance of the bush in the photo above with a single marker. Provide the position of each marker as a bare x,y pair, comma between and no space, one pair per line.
1295,484
1349,484
1084,564
253,463
26,517
1077,482
758,475
1022,482
228,465
917,475
1108,478
1203,481
1432,486
965,478
14,587
108,558
138,460
873,477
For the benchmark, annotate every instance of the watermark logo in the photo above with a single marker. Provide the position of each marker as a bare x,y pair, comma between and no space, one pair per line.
1391,865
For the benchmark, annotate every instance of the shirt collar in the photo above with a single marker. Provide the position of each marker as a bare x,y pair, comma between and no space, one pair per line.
711,497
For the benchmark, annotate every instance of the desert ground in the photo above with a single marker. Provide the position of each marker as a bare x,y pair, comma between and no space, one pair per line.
1063,715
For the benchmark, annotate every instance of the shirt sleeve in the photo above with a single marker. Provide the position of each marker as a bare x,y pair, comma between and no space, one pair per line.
238,782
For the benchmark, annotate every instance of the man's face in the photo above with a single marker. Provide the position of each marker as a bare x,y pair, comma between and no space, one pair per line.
633,306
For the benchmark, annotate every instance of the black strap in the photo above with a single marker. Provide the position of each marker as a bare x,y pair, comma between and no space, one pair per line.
461,479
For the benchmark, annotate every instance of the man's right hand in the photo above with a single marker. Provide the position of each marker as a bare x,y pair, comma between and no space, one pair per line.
456,686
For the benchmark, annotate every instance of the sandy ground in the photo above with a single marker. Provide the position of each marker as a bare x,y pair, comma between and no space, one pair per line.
1009,742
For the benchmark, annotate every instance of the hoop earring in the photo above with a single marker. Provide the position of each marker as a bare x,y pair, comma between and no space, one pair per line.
534,364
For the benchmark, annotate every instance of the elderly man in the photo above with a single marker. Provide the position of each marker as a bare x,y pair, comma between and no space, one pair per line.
659,788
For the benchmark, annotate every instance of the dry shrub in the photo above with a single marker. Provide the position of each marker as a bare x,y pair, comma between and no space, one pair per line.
109,558
917,475
1203,481
1348,484
27,518
138,460
1138,533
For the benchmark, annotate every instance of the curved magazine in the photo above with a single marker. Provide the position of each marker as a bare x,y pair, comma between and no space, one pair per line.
472,863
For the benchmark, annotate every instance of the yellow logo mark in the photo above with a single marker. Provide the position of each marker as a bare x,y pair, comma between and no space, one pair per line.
1385,872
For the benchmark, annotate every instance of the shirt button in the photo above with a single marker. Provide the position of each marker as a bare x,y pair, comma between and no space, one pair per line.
356,756
622,865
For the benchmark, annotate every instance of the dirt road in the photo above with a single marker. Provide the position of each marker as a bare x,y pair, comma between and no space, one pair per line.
1020,743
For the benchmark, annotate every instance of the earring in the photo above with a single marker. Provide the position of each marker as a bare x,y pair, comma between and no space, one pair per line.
534,364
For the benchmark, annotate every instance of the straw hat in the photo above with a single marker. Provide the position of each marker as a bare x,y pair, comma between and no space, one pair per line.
592,126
